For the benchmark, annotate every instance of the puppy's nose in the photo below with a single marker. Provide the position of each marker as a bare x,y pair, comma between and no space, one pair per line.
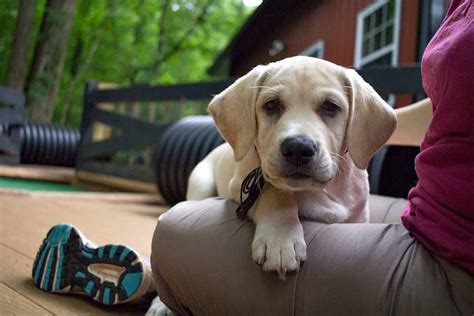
298,150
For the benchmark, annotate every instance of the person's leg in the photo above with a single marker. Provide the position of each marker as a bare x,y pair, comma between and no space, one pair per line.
385,209
112,274
202,264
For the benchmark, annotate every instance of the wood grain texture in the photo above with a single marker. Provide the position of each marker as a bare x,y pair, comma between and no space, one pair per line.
54,174
24,222
116,182
13,303
114,197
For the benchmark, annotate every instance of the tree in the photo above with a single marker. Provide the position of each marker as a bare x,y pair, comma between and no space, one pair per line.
124,42
18,60
144,42
174,45
48,61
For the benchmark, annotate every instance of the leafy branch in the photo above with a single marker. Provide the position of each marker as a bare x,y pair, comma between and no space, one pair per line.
161,55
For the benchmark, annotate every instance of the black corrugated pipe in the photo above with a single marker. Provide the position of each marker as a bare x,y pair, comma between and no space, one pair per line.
45,144
182,147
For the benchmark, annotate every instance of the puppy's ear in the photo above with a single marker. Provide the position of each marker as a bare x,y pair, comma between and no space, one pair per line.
371,120
233,111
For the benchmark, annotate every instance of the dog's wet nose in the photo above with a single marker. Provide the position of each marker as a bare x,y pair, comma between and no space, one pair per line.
298,150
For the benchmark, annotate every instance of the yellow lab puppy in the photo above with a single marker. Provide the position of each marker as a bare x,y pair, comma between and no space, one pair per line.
312,126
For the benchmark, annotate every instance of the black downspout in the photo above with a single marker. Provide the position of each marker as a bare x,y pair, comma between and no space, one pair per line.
431,15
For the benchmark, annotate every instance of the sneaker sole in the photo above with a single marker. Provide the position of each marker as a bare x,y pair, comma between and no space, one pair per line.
67,263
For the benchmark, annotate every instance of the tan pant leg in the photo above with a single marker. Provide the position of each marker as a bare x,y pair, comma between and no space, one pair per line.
202,265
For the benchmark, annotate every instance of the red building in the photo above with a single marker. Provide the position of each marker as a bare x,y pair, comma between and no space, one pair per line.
359,33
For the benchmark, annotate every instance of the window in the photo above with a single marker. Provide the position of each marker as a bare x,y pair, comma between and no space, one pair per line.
377,34
315,50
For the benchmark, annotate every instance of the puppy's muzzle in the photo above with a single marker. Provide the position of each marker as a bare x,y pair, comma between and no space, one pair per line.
298,150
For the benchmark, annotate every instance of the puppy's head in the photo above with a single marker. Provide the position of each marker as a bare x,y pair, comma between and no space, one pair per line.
303,114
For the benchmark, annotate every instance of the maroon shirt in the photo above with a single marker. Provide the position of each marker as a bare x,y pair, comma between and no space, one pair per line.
441,210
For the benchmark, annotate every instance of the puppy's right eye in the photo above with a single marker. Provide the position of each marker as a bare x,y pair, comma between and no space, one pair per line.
272,107
329,109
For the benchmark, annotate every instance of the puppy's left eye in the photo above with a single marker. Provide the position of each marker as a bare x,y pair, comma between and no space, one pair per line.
329,108
272,106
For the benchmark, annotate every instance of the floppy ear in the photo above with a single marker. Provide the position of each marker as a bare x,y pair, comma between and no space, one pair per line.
233,111
371,120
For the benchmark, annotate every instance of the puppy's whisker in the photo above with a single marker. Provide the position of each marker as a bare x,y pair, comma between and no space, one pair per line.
337,155
264,87
337,167
273,77
337,161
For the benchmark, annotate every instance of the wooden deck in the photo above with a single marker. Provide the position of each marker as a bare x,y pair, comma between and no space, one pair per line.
25,218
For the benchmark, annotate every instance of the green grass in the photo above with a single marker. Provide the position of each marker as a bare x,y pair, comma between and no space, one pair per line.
36,185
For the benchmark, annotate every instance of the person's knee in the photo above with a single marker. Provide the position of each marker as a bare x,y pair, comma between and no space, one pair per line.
190,240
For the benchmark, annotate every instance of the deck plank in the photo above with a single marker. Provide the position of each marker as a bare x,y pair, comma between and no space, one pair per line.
44,173
115,197
25,220
13,303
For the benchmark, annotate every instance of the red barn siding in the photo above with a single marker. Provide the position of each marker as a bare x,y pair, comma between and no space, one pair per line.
408,42
333,21
408,32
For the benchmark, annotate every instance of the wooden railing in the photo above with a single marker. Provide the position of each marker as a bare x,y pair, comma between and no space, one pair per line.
141,133
12,113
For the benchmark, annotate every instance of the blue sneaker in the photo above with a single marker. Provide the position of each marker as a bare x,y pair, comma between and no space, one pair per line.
67,262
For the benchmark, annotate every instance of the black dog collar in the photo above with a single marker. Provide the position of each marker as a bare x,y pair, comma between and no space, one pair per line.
252,186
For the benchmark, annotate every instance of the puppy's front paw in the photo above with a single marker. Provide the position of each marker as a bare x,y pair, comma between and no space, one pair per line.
279,248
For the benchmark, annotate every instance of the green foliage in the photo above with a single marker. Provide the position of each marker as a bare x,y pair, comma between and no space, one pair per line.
8,11
117,41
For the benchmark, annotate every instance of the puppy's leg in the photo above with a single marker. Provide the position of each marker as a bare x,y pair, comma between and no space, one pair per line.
279,242
202,184
202,181
158,308
211,176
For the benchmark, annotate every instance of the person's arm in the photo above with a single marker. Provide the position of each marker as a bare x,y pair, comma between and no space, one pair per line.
413,122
